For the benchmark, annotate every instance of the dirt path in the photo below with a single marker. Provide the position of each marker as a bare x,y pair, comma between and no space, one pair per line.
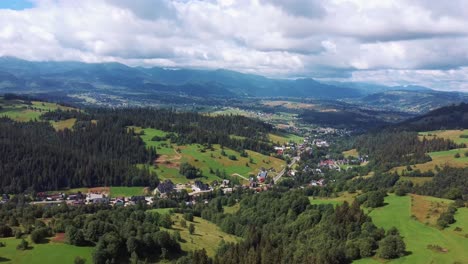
173,162
238,175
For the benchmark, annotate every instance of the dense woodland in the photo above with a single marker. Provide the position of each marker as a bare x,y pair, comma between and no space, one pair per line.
36,157
282,227
100,150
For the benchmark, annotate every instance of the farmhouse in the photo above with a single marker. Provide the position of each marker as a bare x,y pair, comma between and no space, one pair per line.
164,187
261,176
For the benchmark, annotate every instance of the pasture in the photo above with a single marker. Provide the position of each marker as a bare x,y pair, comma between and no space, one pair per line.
127,191
351,152
52,252
441,159
447,134
208,160
207,235
22,111
418,236
285,138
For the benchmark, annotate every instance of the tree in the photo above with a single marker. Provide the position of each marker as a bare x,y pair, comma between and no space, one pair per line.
183,223
23,245
375,199
189,171
391,247
191,228
39,234
75,236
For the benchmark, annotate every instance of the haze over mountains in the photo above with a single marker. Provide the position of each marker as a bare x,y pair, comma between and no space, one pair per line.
119,80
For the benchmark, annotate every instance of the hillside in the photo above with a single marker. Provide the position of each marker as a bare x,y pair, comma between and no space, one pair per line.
449,117
415,101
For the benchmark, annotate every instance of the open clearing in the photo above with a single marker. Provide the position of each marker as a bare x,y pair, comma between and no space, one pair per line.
207,235
207,160
285,138
441,159
51,252
348,197
127,191
418,236
61,125
428,209
447,134
417,180
351,152
19,110
289,104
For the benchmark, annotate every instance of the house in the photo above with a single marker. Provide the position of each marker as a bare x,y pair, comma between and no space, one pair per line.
164,187
200,186
261,176
96,198
320,182
321,143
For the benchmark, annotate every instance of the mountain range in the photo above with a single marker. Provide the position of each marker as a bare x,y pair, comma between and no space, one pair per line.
115,80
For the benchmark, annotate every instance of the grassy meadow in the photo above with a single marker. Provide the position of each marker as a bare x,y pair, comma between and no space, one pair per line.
285,138
447,134
52,252
441,159
417,236
344,197
207,160
351,152
207,235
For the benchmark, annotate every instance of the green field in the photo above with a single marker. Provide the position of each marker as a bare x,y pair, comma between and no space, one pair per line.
441,159
20,111
51,252
418,236
285,138
160,210
207,160
232,209
126,191
207,235
351,152
447,134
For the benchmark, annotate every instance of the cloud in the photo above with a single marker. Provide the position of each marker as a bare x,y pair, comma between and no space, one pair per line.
386,41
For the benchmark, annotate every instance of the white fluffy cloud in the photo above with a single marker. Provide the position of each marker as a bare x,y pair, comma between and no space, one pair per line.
387,41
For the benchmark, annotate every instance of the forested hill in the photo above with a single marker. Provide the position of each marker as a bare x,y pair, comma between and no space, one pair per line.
449,117
101,150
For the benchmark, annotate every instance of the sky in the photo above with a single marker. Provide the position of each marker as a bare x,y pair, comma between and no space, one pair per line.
390,42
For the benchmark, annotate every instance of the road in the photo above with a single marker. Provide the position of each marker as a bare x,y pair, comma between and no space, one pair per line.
294,160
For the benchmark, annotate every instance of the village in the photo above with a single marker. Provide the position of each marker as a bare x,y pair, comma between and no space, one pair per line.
262,181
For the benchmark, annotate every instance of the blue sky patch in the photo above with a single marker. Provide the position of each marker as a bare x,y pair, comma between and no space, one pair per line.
15,4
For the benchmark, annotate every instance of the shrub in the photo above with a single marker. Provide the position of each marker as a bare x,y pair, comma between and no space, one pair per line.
391,247
23,245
